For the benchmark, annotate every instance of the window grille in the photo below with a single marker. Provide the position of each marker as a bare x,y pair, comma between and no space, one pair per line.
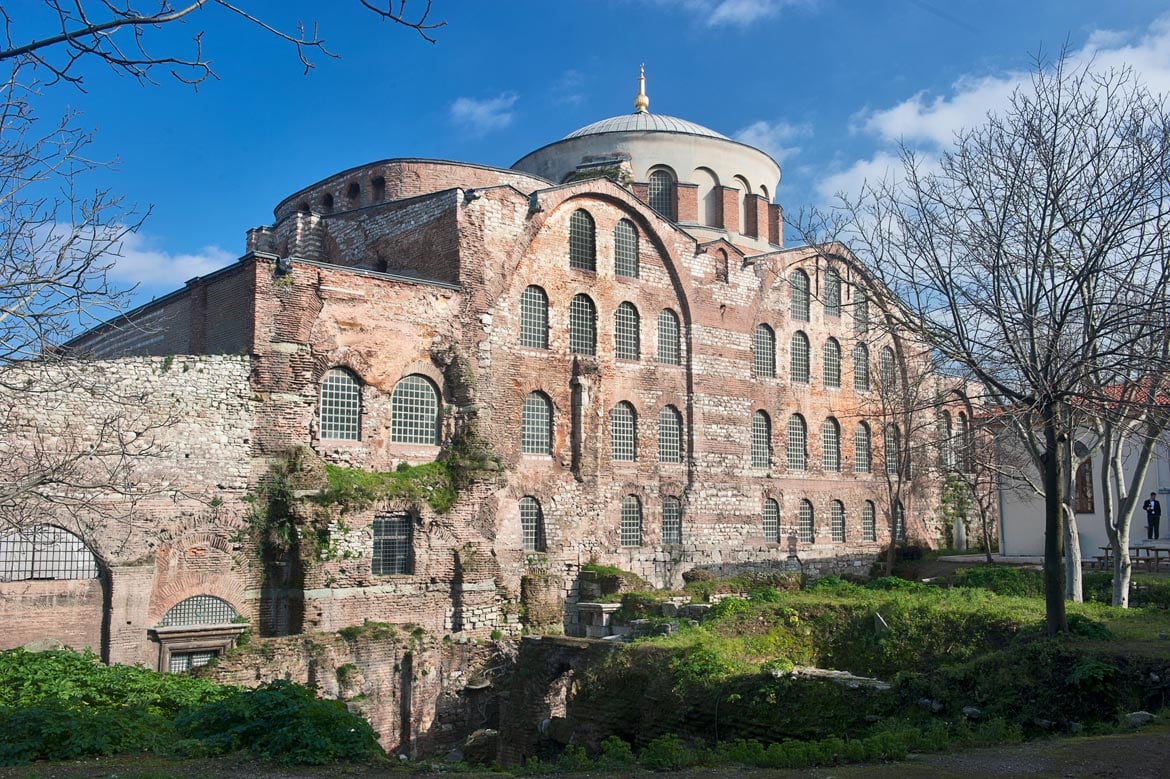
899,521
799,281
662,193
625,249
341,405
831,445
946,441
797,443
860,312
626,338
669,350
889,373
199,610
862,457
861,368
831,370
45,552
761,440
536,424
631,524
765,351
868,522
806,522
181,662
966,443
414,411
582,241
582,325
771,521
532,524
534,318
671,521
837,520
670,435
623,432
799,358
832,293
892,453
392,542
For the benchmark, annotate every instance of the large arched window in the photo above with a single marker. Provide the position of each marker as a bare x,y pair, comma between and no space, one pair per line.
532,524
966,443
861,368
887,369
832,293
806,527
662,193
868,522
340,409
582,241
669,348
771,521
582,325
831,445
831,369
899,516
414,411
671,521
837,521
625,249
761,440
44,552
670,449
799,282
798,358
764,351
797,443
631,522
623,432
627,340
946,441
536,424
862,458
892,452
534,318
860,311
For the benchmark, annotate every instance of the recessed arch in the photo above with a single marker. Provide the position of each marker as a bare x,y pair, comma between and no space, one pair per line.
708,196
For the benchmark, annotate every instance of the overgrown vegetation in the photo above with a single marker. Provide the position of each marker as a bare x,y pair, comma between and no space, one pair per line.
354,489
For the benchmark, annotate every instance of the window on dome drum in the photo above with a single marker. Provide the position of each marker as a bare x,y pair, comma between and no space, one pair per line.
340,409
44,552
392,542
797,443
771,521
862,456
860,312
721,265
631,523
669,349
536,424
761,440
892,452
831,370
831,445
625,249
626,333
899,521
807,530
861,368
662,193
532,524
868,522
671,521
670,435
798,358
946,442
764,351
837,521
199,610
832,293
582,241
582,325
623,432
414,411
534,318
887,369
799,282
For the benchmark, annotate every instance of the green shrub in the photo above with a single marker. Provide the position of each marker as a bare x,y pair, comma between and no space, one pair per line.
51,732
615,753
1003,580
667,753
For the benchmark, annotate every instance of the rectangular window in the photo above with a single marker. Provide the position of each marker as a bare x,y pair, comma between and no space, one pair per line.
392,542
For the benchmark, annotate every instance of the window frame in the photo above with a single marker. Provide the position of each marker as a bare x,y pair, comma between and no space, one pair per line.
668,350
831,446
672,524
799,360
627,332
623,432
761,440
670,442
771,524
532,532
583,325
764,351
534,333
536,440
796,445
392,544
582,241
626,262
799,299
631,523
831,363
339,406
806,522
409,423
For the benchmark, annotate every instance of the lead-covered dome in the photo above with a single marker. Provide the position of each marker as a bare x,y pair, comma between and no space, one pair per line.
645,121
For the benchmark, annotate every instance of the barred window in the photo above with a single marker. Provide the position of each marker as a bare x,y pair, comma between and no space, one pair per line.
625,249
534,318
536,424
837,521
341,405
966,443
799,282
631,524
671,521
797,443
892,453
662,193
670,447
771,521
899,521
831,445
669,350
199,610
831,370
414,411
761,440
868,522
582,241
44,552
860,311
862,457
764,351
582,325
626,335
832,293
181,662
623,432
888,370
532,524
861,368
799,358
807,530
946,447
392,542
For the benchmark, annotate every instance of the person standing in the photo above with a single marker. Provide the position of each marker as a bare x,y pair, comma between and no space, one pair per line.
1153,516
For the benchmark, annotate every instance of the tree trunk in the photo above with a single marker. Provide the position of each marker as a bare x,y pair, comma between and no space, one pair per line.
1056,618
1072,547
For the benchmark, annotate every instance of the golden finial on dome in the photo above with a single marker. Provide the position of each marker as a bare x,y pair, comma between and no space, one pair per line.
641,102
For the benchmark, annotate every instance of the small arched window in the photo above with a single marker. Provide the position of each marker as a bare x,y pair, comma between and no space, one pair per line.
797,443
868,522
631,522
771,521
892,449
582,325
860,311
45,552
761,440
670,448
887,369
669,347
534,318
861,368
721,270
671,521
831,445
861,449
582,241
662,193
837,521
798,358
831,368
799,282
832,293
414,411
764,351
807,528
340,409
532,524
536,424
623,432
625,249
627,344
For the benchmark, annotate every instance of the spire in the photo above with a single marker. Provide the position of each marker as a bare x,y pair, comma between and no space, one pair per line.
641,102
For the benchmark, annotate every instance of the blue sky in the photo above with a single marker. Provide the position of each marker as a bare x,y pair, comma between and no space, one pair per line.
826,86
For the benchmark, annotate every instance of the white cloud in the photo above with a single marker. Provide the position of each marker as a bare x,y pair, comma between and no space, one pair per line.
569,89
776,138
733,13
139,263
481,116
882,166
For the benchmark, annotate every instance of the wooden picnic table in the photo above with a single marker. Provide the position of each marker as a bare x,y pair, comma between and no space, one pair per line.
1150,557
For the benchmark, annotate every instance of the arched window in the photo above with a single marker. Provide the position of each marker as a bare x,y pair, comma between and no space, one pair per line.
831,445
631,524
899,521
761,440
671,521
832,293
946,442
892,449
721,270
662,193
797,443
534,318
764,351
798,358
414,411
887,369
862,457
860,311
582,241
341,406
799,282
837,521
627,333
536,424
393,543
831,370
807,529
868,522
582,325
669,348
771,521
745,191
625,249
199,610
623,432
670,447
965,442
532,524
861,368
44,552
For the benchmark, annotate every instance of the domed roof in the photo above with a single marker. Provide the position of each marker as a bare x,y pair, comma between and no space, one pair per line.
644,120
